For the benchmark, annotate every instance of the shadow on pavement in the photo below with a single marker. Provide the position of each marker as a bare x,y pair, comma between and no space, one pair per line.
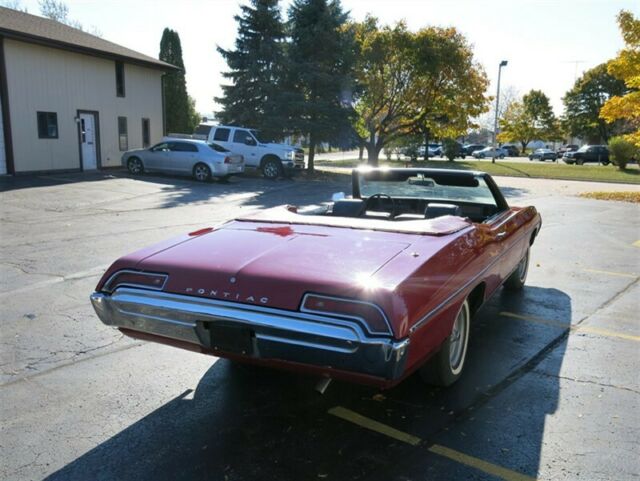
9,182
249,423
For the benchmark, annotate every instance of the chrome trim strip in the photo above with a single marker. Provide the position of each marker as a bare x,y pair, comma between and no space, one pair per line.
345,316
107,285
427,317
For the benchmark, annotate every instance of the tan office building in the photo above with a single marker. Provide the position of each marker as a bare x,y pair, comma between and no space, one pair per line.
71,101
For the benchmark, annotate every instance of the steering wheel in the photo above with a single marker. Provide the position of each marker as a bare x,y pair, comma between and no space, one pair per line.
378,199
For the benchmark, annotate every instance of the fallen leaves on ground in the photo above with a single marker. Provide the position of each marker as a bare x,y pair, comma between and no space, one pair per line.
624,196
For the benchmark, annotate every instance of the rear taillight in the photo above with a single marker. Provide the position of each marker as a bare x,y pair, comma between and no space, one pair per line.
371,315
146,280
227,160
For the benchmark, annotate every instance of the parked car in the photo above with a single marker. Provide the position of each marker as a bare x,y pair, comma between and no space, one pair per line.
543,154
415,152
469,149
435,150
567,148
588,153
275,160
198,158
365,289
511,150
489,153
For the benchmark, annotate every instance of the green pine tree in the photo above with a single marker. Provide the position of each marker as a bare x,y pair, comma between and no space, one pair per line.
256,66
179,111
321,61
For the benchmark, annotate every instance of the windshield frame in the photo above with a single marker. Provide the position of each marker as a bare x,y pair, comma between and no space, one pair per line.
446,176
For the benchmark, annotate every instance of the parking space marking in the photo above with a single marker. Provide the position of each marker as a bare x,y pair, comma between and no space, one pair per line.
451,454
585,329
636,243
611,273
372,425
479,464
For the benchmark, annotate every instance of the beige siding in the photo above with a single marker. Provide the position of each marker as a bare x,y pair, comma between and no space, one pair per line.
51,80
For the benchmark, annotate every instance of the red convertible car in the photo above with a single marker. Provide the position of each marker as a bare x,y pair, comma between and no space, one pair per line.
368,289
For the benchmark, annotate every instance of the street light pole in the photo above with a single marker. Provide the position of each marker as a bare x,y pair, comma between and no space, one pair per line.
495,124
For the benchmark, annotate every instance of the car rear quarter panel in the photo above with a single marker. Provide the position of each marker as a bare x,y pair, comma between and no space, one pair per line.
427,301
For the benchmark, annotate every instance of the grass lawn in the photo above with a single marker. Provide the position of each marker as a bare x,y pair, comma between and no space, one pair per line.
546,170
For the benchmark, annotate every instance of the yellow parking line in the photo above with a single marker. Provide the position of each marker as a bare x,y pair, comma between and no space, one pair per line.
636,243
479,464
587,329
452,454
372,425
611,273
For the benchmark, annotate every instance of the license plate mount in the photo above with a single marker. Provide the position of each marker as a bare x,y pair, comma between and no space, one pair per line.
231,338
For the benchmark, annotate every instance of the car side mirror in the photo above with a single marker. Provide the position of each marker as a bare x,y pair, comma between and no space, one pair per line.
250,141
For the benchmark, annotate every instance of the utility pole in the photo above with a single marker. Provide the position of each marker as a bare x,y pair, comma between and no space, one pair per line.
495,124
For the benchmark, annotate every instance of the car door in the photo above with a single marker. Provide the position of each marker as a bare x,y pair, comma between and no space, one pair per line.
244,143
155,157
504,246
591,155
182,157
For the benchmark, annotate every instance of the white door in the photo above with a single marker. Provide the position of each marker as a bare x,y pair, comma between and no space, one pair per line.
3,155
88,141
244,144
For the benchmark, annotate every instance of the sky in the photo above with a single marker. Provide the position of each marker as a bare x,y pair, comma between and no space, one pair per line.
547,43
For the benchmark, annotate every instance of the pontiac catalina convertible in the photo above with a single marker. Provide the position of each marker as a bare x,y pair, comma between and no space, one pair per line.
369,288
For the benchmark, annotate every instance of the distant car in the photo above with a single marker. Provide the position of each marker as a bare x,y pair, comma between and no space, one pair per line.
489,153
511,150
471,148
588,153
543,154
197,158
567,148
435,150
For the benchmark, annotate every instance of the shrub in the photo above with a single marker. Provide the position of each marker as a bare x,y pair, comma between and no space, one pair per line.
450,149
621,151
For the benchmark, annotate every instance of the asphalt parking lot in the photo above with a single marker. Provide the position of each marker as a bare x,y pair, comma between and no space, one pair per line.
551,389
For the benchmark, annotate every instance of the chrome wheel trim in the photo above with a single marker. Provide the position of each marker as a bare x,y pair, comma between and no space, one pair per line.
201,173
271,169
459,339
523,267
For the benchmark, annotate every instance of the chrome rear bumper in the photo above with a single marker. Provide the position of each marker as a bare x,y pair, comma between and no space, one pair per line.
276,334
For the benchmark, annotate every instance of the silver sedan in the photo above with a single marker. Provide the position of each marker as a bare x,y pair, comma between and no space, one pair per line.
197,158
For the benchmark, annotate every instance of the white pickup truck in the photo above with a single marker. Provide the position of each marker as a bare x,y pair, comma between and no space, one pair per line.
274,160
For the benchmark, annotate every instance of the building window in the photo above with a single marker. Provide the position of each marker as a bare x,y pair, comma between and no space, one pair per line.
47,125
145,133
120,79
123,136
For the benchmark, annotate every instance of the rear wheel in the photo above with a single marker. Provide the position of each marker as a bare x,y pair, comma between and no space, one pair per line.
579,161
516,281
201,173
446,366
134,166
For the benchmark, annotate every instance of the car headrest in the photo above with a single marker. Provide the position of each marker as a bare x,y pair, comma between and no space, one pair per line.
348,208
434,210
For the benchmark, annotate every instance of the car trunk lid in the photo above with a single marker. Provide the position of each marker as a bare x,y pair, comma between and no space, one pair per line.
274,265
